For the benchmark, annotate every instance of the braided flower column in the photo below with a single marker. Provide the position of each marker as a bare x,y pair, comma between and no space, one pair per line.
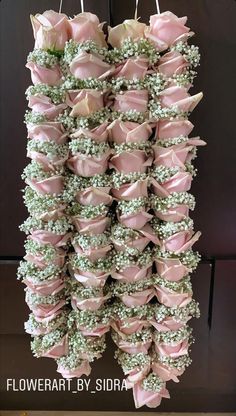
48,227
88,193
153,339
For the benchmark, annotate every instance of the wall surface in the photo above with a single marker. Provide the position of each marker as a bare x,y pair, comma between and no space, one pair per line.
210,383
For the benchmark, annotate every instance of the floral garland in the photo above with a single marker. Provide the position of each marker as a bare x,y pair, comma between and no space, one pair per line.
107,193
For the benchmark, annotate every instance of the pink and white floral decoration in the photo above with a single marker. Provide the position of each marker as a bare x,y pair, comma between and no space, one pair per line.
109,245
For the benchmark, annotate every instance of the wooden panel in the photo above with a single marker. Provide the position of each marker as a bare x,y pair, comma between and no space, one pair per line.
222,365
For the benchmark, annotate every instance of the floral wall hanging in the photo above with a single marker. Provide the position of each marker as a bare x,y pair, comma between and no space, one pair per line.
109,245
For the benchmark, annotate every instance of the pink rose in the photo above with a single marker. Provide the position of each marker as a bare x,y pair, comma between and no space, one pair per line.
48,131
86,65
46,288
43,75
180,182
133,68
129,132
177,155
179,97
89,279
172,299
136,100
128,326
48,237
87,165
180,242
166,29
169,129
91,304
53,185
92,226
58,350
140,347
131,28
92,254
132,274
44,311
148,398
175,214
50,30
137,374
86,26
139,243
138,298
134,161
84,102
171,269
136,220
168,324
175,350
172,63
83,369
94,196
99,134
38,259
130,191
99,331
166,373
43,105
48,161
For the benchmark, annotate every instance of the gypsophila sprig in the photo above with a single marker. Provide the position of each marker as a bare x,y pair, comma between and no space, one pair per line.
39,204
70,362
135,205
172,337
41,344
91,241
131,115
180,363
43,58
182,286
129,147
133,49
31,117
34,326
59,226
73,83
36,274
179,314
172,201
157,112
143,336
119,179
189,258
165,229
123,259
87,211
189,52
130,362
82,262
88,146
153,383
33,298
56,94
35,170
120,289
172,141
50,149
73,48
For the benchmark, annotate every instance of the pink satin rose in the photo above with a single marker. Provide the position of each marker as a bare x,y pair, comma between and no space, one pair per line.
99,134
172,63
171,299
136,100
129,132
53,185
84,102
138,298
130,28
136,220
129,325
83,369
44,311
138,243
174,351
168,324
175,214
147,398
171,269
180,182
43,105
91,304
58,350
99,331
134,161
94,196
43,75
132,274
48,131
140,347
166,373
91,226
86,26
50,30
86,65
166,29
87,165
49,162
48,237
39,261
179,97
169,129
133,68
177,155
180,242
89,279
92,254
46,288
130,191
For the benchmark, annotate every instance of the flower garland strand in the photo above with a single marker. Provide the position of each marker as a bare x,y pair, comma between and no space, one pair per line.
107,193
